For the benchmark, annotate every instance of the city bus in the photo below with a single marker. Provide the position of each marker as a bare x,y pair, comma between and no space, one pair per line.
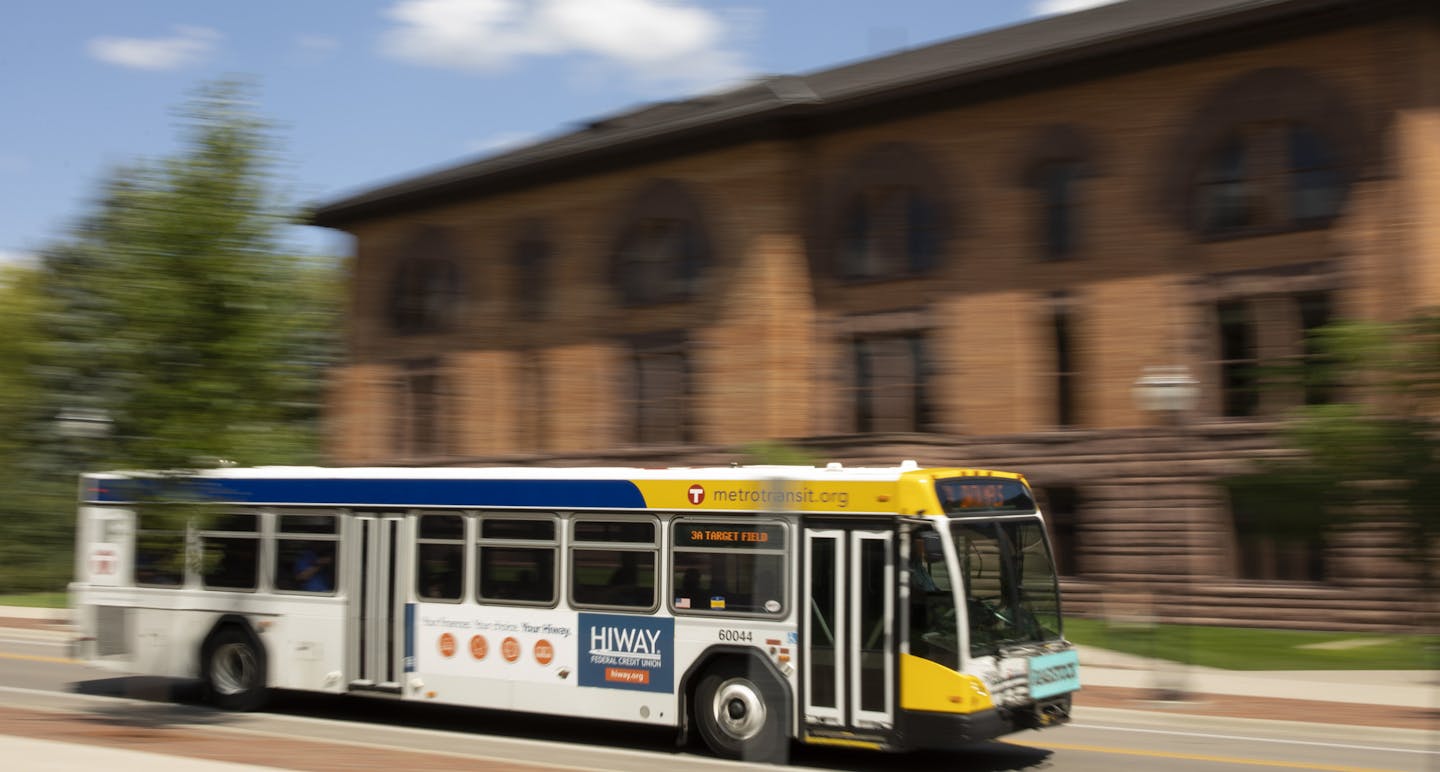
888,608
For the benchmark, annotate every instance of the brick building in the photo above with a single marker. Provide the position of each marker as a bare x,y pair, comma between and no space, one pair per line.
965,254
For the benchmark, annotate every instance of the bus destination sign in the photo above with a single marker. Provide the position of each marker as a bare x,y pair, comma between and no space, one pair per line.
959,495
730,535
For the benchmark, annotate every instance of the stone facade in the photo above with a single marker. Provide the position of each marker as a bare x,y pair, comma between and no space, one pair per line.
523,341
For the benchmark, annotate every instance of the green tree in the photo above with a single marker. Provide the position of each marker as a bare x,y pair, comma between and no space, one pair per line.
34,548
185,321
1370,459
175,312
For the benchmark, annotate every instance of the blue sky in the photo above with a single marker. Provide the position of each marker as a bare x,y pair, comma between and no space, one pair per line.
366,91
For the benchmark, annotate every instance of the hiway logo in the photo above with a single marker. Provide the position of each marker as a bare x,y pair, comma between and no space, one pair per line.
626,652
626,643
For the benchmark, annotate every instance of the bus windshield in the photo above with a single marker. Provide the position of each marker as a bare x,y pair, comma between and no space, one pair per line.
1011,593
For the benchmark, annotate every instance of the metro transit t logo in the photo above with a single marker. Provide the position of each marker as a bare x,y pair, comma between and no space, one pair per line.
696,494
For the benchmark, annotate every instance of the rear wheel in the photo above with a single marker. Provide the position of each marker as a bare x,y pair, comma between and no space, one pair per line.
233,670
740,717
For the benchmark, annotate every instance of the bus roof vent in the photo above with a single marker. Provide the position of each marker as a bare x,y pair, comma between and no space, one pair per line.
833,466
909,465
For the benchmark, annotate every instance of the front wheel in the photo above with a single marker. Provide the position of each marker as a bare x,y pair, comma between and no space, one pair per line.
739,718
233,670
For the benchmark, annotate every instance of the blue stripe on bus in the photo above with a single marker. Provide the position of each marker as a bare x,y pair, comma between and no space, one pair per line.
551,494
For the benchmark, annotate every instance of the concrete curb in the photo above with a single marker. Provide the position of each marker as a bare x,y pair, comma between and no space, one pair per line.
26,612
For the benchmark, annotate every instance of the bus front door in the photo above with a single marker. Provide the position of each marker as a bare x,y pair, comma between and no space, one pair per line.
848,638
376,617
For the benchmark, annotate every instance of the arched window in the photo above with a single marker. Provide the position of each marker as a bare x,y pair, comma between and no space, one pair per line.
1058,160
1272,175
662,252
1270,150
1059,230
1317,186
530,270
890,230
1225,194
890,216
426,292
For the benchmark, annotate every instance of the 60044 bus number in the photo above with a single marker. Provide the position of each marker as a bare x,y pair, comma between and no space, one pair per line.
737,635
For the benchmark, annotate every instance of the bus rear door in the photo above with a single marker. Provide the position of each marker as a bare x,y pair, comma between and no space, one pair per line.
848,639
375,636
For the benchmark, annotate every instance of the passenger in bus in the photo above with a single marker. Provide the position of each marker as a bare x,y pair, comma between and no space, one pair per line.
690,585
624,588
313,572
920,577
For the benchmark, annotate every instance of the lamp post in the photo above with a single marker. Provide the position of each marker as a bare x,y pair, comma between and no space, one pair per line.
1171,392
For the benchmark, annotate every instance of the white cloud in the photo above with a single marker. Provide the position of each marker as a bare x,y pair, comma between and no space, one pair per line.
189,45
655,40
1053,7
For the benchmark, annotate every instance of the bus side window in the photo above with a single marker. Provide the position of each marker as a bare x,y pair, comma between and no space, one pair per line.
721,567
231,556
517,560
305,553
440,558
612,563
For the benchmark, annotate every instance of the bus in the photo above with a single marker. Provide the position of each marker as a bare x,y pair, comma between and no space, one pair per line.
889,608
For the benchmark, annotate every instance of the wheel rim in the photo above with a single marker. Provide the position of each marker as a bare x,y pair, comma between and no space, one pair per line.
232,668
739,710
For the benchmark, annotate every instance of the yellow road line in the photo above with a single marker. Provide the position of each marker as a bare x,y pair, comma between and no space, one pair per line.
38,658
1236,760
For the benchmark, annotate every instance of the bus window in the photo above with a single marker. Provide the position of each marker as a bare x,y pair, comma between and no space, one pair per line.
934,633
517,560
440,558
305,553
231,550
159,554
729,568
612,564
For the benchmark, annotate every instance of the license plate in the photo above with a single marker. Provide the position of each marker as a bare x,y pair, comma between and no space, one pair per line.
1052,674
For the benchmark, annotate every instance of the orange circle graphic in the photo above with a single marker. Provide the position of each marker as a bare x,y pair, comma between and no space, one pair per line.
544,652
447,645
479,647
510,649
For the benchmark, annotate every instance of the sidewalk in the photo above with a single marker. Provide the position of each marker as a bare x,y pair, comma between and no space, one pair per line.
1405,699
1400,688
52,756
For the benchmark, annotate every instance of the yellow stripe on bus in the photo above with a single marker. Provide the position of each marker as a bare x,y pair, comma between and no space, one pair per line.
842,742
763,495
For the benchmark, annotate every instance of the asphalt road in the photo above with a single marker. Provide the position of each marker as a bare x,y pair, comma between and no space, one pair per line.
43,691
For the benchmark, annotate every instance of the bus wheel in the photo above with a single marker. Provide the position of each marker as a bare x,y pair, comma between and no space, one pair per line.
739,718
233,670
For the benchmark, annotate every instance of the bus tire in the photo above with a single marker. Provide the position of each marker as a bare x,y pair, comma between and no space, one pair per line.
232,669
740,717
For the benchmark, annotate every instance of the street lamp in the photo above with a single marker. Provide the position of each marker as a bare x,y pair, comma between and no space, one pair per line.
1171,392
